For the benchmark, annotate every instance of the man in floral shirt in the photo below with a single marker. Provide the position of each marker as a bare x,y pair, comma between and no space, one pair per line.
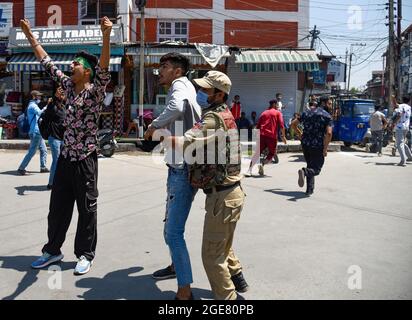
76,173
317,134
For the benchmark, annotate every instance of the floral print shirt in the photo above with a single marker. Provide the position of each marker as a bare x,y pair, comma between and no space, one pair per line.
314,127
82,111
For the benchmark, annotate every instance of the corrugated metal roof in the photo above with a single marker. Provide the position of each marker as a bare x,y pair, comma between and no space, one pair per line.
278,60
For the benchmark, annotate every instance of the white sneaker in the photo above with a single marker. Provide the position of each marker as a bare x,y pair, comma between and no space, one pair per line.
83,266
248,173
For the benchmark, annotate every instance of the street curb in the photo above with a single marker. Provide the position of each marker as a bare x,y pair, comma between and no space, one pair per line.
24,145
129,147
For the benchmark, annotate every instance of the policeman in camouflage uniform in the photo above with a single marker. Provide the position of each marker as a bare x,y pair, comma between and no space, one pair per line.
215,167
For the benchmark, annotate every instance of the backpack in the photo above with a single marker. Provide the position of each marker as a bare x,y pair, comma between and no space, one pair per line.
26,123
44,126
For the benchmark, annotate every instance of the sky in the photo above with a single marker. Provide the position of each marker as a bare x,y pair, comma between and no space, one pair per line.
342,23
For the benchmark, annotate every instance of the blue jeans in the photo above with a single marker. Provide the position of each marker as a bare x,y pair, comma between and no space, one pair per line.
36,142
403,148
55,146
180,196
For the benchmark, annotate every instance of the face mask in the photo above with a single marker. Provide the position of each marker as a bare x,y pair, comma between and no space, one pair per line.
202,98
38,101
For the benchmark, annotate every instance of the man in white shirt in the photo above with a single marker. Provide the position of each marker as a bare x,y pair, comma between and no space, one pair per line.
401,124
377,123
181,113
279,99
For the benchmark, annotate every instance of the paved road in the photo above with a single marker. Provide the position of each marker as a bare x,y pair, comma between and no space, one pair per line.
291,247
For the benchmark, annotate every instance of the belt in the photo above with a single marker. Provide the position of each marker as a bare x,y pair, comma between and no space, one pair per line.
221,188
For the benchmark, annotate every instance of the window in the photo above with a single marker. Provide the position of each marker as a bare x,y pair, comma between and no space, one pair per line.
172,31
91,11
363,109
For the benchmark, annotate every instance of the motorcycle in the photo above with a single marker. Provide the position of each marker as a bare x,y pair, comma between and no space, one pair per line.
107,142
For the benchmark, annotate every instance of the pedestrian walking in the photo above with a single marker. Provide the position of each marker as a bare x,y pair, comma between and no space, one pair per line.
36,141
268,124
377,124
182,111
77,168
401,123
316,136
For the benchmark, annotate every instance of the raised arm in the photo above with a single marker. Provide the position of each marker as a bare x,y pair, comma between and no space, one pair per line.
38,50
106,28
54,72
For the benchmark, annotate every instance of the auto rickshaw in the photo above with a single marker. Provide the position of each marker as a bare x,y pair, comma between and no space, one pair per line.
351,120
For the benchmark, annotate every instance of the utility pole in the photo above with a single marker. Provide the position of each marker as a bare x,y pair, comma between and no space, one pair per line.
391,58
314,33
346,68
141,5
350,59
399,47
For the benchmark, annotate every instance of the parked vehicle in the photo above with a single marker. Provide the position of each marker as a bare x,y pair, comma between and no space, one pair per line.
352,120
107,142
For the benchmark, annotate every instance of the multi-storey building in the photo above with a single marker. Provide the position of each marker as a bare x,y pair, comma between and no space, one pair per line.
276,30
268,43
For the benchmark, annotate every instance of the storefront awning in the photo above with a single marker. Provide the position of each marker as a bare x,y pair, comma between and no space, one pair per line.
278,60
28,62
153,55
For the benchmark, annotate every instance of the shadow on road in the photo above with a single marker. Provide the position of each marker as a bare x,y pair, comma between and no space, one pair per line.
124,284
295,195
22,264
298,158
359,156
383,163
15,173
22,189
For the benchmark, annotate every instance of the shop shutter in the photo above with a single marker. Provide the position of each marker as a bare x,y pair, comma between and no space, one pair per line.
256,89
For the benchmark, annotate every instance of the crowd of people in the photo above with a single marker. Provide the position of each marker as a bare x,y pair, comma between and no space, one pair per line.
195,117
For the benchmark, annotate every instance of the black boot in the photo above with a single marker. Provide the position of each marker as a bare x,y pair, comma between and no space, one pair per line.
240,282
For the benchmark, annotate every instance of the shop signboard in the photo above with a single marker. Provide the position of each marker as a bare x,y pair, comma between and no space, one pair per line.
6,18
337,69
66,35
319,77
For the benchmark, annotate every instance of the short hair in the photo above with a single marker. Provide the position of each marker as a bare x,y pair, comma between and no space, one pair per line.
274,101
377,107
177,60
324,99
406,99
278,94
236,96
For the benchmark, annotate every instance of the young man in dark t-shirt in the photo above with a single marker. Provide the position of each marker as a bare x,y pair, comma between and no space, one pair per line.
317,134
